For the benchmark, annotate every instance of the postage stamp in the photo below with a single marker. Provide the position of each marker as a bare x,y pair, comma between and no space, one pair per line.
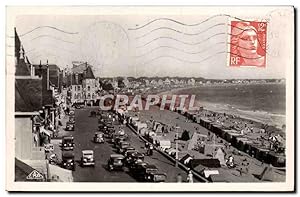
248,43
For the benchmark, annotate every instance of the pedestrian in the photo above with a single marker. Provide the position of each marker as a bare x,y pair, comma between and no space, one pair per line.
190,177
179,178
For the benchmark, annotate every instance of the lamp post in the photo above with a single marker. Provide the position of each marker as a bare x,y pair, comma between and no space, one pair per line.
176,140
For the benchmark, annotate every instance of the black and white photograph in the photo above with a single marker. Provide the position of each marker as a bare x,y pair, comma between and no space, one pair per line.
150,98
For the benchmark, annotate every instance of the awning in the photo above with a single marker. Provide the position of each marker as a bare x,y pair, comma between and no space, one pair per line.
47,132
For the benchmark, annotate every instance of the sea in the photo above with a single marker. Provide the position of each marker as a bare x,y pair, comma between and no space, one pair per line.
261,102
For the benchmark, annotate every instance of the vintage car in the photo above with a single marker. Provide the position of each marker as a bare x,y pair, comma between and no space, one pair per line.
49,148
72,119
77,105
70,126
87,158
99,137
71,113
115,162
122,146
67,143
148,172
133,158
117,140
68,161
128,149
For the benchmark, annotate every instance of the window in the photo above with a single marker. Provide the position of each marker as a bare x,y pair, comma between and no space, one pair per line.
89,96
93,95
78,88
89,89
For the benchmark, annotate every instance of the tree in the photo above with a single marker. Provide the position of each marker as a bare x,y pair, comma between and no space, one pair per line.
121,83
107,87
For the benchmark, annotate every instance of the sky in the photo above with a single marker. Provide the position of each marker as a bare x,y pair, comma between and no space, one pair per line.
151,44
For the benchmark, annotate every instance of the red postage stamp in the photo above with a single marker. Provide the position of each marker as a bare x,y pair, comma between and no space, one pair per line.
248,43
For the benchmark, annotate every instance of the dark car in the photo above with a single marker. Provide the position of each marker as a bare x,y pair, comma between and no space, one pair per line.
78,106
115,162
70,126
72,119
68,161
117,140
122,146
148,173
134,158
68,143
98,137
128,149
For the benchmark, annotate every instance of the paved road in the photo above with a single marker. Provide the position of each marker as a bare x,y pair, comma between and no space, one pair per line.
84,131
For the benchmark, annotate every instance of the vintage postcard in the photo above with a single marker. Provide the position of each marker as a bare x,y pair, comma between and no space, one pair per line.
150,99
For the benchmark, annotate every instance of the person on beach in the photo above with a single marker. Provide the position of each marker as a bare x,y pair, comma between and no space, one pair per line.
179,178
190,177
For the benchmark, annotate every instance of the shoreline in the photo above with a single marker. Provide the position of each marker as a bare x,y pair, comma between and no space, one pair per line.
265,117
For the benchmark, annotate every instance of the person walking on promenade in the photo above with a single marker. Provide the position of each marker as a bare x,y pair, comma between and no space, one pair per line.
179,178
190,177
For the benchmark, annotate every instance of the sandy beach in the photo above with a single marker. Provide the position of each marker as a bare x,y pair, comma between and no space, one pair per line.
274,119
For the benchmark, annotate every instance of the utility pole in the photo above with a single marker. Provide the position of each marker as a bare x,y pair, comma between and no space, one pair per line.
176,139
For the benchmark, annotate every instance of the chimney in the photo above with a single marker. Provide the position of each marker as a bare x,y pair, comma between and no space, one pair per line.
40,66
48,88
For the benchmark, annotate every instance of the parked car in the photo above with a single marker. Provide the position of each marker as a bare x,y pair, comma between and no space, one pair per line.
128,149
87,158
134,158
115,162
122,146
99,137
49,148
148,172
70,126
72,119
71,113
68,161
117,140
68,143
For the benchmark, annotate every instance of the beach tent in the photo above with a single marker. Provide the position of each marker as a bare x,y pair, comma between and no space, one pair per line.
141,125
198,168
195,139
217,178
220,155
207,172
184,157
144,131
210,163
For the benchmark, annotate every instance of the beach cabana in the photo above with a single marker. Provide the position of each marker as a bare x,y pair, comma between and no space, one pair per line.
243,144
210,163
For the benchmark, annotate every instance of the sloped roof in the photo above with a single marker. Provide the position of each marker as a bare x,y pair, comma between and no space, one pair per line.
44,66
22,69
28,95
89,73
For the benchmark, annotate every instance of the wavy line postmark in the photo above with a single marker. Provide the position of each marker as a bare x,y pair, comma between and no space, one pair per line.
248,41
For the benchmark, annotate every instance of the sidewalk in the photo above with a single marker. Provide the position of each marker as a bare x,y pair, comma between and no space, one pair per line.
61,129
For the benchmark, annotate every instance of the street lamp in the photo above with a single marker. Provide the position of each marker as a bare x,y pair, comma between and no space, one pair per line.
176,140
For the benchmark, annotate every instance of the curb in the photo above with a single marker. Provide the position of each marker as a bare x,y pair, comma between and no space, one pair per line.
182,166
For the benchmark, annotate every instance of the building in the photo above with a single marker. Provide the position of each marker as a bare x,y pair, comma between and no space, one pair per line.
89,87
191,82
28,103
76,88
